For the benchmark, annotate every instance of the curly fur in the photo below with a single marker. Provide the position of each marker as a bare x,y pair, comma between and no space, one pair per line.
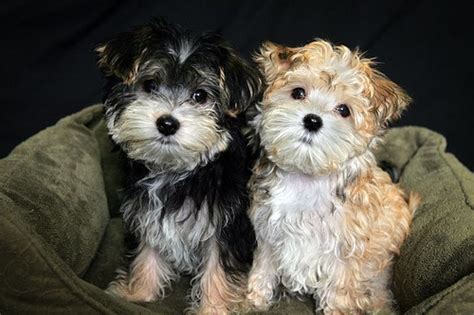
328,220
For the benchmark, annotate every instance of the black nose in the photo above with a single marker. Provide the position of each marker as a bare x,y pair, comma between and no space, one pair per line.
312,122
167,125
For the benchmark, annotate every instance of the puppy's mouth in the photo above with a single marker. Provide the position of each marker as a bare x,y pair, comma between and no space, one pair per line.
166,141
306,139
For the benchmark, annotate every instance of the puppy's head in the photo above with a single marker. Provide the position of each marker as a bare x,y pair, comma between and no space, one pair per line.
172,95
324,105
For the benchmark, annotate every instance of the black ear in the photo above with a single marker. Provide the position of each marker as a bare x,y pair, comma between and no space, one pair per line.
242,82
122,55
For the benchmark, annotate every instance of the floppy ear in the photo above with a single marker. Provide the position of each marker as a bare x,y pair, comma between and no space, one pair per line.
242,82
388,99
121,55
274,59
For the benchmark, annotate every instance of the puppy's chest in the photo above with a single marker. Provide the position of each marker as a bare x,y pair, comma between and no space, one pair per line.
189,224
180,235
303,225
302,200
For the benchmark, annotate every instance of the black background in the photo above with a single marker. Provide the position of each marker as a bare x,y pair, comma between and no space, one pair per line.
48,66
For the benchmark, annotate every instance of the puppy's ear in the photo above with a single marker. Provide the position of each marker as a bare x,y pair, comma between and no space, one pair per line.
274,59
120,56
242,82
388,99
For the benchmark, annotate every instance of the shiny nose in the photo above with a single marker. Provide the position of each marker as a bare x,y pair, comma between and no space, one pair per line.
312,122
167,125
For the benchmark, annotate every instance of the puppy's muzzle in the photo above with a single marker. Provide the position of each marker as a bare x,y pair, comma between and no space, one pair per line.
167,125
312,122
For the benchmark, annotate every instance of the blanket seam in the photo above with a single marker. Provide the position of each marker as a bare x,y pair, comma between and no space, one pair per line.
466,201
450,290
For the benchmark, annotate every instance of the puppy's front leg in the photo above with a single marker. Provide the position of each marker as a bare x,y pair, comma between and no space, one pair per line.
212,287
355,287
149,275
263,278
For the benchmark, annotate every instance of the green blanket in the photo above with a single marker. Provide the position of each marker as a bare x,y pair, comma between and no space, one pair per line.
61,236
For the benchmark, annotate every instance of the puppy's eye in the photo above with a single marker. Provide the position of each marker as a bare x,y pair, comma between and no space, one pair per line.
150,85
343,110
200,96
298,94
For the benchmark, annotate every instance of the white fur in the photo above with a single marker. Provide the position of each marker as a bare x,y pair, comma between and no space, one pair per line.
192,145
328,221
185,49
289,145
300,225
177,236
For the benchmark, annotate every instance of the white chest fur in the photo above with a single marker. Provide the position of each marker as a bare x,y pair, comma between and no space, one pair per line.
301,224
179,236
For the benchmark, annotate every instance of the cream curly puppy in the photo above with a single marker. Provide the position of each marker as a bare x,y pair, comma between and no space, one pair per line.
328,220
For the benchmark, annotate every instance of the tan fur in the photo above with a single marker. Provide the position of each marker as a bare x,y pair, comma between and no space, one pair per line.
218,294
366,217
387,99
148,278
375,225
274,59
106,63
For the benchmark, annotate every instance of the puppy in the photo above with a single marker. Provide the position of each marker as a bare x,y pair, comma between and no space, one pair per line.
175,104
328,220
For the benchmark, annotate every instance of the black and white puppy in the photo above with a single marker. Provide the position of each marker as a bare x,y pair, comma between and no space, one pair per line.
176,104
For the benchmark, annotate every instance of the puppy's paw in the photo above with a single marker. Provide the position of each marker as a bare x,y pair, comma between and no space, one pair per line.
122,290
210,310
259,300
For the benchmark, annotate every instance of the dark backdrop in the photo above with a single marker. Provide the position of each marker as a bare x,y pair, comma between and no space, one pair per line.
48,65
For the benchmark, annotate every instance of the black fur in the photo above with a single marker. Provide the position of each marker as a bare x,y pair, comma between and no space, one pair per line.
127,61
222,183
211,51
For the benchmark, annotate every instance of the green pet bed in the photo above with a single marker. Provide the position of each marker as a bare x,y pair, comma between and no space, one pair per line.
61,236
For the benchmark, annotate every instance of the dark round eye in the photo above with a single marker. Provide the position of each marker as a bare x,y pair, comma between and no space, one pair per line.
298,94
343,110
150,85
200,96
